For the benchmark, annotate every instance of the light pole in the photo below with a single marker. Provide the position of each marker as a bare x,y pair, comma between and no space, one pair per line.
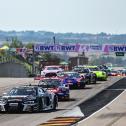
33,60
54,40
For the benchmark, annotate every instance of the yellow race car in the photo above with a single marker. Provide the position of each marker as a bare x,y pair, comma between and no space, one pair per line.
101,75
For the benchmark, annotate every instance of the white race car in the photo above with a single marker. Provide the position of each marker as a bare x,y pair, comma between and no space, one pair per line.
51,69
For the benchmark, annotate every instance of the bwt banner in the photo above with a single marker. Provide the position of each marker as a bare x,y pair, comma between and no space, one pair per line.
80,48
56,48
118,48
103,48
114,48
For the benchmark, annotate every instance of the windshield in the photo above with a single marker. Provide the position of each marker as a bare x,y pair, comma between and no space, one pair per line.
77,75
94,69
52,68
22,91
78,69
61,74
114,71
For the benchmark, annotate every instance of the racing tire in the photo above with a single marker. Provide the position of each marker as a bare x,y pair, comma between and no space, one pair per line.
88,82
82,86
67,98
38,107
20,109
55,103
105,79
95,80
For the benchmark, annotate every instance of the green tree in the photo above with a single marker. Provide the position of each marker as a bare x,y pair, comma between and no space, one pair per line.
50,57
29,45
16,43
47,56
6,44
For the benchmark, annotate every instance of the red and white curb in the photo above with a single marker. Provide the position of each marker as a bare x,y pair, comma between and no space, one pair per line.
69,118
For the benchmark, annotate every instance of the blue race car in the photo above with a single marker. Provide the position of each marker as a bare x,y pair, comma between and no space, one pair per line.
75,80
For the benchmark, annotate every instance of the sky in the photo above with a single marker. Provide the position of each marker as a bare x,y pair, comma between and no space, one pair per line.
77,16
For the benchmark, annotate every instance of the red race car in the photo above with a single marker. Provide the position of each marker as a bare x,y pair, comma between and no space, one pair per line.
55,85
115,73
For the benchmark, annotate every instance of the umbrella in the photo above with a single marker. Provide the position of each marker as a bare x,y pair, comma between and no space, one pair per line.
4,48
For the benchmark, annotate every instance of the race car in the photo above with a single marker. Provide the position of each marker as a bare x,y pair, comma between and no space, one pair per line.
78,68
56,86
75,80
28,98
114,73
105,69
51,69
123,72
87,72
101,75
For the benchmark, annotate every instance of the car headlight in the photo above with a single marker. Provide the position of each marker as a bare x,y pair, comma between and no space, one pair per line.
3,101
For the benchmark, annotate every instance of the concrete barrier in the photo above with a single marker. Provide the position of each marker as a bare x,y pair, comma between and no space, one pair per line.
12,70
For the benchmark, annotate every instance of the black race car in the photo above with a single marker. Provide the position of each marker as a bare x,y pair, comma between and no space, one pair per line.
28,98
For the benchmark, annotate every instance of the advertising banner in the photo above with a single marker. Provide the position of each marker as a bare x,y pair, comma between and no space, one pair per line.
95,48
56,48
119,48
106,48
114,48
83,48
90,48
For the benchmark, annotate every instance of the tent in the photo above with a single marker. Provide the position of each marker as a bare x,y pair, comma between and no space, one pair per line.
63,63
4,48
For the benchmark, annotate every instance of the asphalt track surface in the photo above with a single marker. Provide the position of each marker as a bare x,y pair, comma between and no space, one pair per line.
33,119
104,97
114,112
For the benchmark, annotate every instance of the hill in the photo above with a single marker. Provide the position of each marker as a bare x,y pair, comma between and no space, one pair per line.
45,36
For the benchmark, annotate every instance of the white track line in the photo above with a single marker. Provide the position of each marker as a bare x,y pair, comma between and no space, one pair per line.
114,89
102,108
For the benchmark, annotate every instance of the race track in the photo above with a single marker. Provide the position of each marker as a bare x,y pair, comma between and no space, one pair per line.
33,119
